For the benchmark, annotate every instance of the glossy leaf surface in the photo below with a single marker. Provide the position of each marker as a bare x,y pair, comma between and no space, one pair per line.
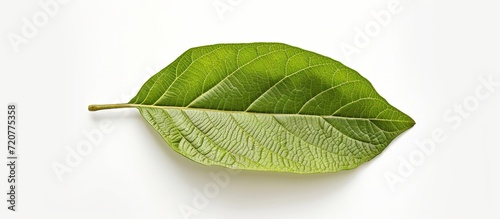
270,107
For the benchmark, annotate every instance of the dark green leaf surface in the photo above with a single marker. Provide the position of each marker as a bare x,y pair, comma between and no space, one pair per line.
270,107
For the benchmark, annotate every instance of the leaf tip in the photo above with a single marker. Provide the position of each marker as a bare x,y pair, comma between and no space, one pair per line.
411,122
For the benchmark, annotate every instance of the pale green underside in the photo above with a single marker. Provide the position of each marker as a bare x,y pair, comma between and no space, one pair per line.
268,106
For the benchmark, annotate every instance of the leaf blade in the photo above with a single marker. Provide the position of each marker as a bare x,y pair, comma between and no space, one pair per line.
309,112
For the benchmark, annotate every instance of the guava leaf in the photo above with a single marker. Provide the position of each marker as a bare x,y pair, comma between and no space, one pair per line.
268,107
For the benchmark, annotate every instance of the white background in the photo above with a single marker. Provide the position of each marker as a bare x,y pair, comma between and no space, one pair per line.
427,59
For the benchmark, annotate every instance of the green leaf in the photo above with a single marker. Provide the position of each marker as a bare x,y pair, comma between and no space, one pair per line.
269,107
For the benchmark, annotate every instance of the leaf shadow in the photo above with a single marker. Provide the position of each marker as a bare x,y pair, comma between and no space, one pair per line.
255,189
114,114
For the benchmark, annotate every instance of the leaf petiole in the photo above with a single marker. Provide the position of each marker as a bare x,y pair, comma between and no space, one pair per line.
96,107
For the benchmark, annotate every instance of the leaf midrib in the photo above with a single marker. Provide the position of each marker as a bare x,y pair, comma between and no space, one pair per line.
133,105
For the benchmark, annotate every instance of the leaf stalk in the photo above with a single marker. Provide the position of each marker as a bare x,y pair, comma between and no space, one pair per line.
97,107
